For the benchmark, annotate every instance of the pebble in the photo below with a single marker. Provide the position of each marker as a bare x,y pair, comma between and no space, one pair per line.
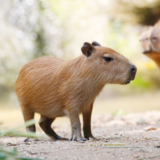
150,128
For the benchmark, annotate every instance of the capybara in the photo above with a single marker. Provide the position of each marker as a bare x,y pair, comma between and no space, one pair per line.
147,47
155,37
55,88
145,41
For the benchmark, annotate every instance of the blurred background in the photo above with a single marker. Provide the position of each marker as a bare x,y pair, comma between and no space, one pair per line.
34,28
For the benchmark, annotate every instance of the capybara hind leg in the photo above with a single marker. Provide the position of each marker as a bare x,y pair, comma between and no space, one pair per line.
28,115
76,127
45,124
87,123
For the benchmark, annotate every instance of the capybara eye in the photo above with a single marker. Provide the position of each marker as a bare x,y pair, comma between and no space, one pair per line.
108,59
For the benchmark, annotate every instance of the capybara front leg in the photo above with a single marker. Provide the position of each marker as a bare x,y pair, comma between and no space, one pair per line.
87,123
75,127
45,124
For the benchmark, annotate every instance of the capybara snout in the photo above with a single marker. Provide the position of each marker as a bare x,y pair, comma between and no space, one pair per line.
133,70
54,87
111,66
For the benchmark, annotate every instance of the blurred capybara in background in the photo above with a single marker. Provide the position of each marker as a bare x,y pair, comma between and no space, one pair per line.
54,87
146,42
155,37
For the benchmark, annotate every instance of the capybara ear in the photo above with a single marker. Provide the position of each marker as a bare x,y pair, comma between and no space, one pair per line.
95,43
87,49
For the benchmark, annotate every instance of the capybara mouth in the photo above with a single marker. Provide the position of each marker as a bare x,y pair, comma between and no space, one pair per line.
130,79
147,52
127,81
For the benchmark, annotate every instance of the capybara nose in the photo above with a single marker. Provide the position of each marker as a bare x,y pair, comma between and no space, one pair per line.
133,69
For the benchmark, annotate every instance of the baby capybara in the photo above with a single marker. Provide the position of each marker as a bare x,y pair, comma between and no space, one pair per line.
54,87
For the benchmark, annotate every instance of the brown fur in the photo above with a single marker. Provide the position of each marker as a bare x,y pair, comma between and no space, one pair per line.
54,87
155,56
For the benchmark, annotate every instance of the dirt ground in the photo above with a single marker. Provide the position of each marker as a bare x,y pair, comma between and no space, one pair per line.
124,132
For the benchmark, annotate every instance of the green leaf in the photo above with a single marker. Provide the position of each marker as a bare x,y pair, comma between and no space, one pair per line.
24,158
2,156
27,124
114,144
118,113
14,151
21,134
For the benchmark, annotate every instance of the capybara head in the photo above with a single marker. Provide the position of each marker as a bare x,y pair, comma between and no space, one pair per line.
147,47
155,37
145,41
107,65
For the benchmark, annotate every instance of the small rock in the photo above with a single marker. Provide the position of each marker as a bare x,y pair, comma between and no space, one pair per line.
150,128
141,121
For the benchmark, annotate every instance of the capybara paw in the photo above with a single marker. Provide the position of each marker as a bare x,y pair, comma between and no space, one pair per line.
61,138
31,139
82,139
92,138
27,140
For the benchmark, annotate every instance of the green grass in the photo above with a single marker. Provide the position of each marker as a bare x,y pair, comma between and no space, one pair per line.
141,83
15,131
12,154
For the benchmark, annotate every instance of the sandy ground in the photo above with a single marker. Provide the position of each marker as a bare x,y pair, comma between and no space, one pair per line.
127,130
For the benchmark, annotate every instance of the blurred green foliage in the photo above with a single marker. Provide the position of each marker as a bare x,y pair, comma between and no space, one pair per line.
30,29
118,113
141,83
12,154
147,80
144,12
148,14
15,131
